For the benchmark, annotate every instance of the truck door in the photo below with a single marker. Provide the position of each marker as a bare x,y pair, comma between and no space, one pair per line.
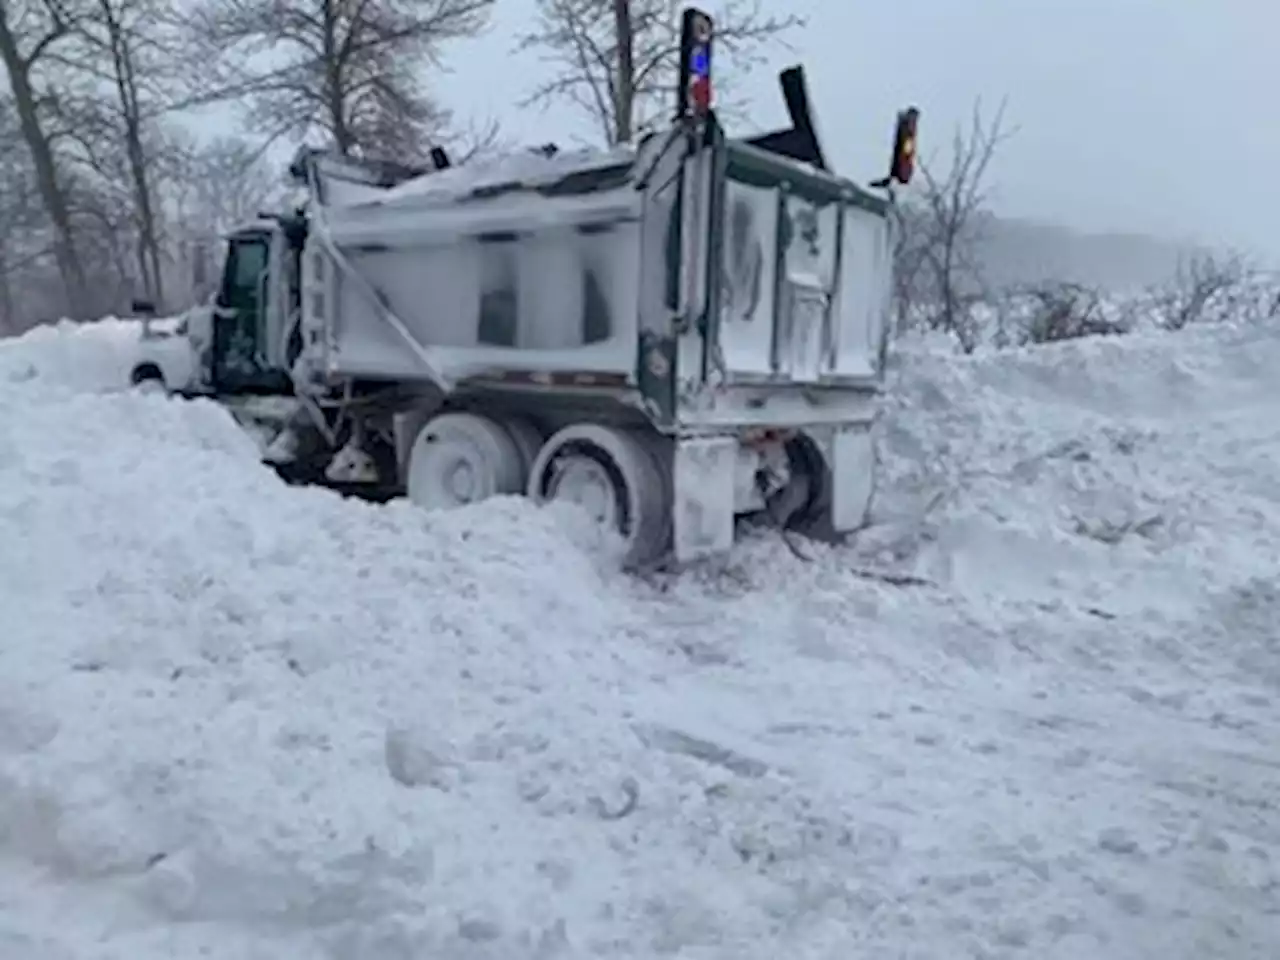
238,362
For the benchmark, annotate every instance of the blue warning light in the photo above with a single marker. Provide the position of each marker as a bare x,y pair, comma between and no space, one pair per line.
700,62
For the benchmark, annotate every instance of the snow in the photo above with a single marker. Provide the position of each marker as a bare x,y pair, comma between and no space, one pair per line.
527,169
69,357
1030,713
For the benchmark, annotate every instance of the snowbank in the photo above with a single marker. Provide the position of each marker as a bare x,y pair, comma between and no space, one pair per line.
79,356
1159,445
1031,713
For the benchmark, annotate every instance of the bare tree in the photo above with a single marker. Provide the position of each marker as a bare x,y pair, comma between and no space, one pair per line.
206,190
953,209
910,246
1062,310
125,48
1206,287
115,68
349,68
25,243
217,185
476,139
618,60
30,30
106,237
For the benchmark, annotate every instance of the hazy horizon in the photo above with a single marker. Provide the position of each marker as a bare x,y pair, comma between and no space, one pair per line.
1133,116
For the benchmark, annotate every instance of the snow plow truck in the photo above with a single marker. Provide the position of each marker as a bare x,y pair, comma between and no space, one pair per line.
671,335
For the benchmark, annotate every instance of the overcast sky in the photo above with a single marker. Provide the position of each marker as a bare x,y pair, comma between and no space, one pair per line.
1146,115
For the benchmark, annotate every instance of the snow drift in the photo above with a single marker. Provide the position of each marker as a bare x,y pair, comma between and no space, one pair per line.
1030,713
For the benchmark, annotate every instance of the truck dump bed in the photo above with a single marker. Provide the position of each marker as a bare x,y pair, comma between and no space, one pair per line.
527,263
665,271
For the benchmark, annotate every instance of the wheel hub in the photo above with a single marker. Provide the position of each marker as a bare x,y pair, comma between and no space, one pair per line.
461,481
584,482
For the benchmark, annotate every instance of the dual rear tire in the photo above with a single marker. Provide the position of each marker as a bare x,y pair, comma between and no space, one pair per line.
615,474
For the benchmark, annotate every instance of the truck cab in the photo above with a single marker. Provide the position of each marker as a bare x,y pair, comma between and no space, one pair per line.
238,342
250,345
245,339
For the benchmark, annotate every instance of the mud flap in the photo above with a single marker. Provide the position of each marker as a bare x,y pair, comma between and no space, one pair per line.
703,501
852,457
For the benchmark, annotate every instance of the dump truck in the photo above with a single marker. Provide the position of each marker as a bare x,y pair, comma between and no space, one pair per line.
671,334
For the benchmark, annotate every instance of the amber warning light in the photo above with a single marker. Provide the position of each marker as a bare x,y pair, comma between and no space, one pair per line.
904,146
903,163
695,64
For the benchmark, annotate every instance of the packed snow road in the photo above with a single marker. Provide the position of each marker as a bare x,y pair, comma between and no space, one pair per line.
1032,713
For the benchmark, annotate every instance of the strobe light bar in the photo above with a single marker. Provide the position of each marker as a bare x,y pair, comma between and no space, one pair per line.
694,90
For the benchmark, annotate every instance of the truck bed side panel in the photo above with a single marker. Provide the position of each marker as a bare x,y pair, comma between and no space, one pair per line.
483,286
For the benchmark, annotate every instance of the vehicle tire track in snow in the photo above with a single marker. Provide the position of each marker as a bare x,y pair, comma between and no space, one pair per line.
1088,711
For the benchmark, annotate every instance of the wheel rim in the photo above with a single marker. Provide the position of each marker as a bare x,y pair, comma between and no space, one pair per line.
614,475
450,474
584,482
150,385
460,459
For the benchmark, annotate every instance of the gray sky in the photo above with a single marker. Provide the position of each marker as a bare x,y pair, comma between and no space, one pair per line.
1144,115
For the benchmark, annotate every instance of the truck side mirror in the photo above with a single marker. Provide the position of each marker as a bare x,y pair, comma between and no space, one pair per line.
143,308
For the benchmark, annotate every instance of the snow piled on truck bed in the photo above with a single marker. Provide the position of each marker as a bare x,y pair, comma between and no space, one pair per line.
1031,713
528,170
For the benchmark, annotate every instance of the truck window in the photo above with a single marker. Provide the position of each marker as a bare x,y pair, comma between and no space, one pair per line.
248,258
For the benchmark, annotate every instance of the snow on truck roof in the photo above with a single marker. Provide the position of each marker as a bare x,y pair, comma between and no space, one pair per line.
563,173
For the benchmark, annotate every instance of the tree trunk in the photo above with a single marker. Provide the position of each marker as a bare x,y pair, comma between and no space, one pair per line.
341,131
8,323
131,115
624,91
51,194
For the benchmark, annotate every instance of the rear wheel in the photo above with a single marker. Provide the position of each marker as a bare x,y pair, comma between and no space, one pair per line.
462,458
615,475
147,378
804,504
